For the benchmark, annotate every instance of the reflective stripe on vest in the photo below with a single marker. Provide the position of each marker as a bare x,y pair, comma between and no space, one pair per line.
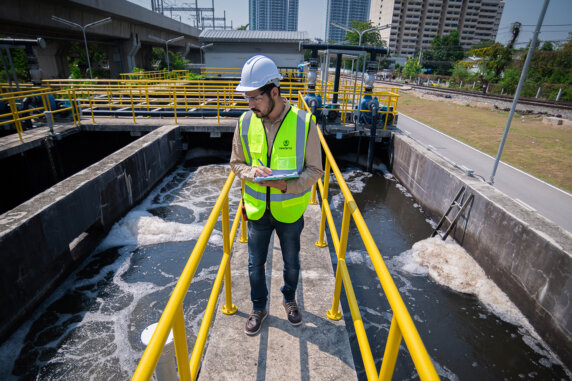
284,207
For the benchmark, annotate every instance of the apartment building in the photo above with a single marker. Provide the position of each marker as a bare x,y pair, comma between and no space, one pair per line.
273,15
414,23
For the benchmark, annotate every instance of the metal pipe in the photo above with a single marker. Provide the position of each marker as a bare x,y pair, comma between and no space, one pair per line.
373,129
368,49
337,78
519,88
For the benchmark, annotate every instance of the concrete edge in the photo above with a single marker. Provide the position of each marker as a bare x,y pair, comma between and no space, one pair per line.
44,238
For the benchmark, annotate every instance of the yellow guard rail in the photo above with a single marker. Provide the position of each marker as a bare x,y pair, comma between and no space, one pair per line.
402,326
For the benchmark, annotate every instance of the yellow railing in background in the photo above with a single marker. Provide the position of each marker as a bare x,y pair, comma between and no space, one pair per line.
176,97
154,75
402,326
19,114
214,72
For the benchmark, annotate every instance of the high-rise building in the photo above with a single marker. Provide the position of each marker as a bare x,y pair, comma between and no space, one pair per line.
342,12
414,23
273,15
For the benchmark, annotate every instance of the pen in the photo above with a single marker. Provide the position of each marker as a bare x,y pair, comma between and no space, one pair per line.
260,161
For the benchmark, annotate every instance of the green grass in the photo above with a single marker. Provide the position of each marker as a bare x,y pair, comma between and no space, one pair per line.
543,150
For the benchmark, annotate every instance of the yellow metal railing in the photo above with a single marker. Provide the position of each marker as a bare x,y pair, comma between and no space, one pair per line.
172,317
155,75
19,114
137,96
178,98
402,326
213,72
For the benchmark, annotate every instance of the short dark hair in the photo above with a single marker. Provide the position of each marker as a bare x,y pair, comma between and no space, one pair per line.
266,89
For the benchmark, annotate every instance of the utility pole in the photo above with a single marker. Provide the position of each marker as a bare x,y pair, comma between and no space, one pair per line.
519,88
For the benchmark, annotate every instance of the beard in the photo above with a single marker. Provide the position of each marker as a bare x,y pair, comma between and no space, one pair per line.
260,113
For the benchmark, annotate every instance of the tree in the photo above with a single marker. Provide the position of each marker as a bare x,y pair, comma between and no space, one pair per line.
495,58
243,27
460,73
372,38
176,60
444,52
20,62
509,82
411,67
547,46
77,62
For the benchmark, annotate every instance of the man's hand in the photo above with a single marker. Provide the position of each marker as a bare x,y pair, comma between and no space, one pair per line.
278,184
262,171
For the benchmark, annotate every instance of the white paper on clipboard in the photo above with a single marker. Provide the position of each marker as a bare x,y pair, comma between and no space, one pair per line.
278,174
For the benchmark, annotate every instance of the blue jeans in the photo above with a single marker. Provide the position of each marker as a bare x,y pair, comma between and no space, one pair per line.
259,234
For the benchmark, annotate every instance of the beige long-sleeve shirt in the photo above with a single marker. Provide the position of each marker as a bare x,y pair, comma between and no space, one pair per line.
313,161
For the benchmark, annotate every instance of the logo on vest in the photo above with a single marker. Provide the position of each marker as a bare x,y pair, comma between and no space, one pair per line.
285,145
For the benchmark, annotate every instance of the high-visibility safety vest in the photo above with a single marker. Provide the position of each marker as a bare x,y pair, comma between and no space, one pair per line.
287,153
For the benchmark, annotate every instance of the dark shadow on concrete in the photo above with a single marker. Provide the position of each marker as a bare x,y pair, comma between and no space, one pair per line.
263,345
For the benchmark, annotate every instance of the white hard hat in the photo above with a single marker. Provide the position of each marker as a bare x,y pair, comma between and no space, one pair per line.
257,72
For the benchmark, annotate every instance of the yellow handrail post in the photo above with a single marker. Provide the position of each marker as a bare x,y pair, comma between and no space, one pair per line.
228,308
175,102
313,200
217,107
391,351
147,95
132,107
181,346
349,207
320,242
90,105
75,108
185,94
16,116
243,236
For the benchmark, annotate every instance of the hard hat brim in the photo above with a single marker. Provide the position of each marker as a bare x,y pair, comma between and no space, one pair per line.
243,89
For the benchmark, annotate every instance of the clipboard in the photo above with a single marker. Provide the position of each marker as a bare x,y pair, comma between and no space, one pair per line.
278,174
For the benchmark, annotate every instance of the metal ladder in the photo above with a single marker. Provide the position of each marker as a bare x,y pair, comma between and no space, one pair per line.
458,203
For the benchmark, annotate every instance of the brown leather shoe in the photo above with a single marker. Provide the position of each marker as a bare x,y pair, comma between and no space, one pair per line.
293,313
254,322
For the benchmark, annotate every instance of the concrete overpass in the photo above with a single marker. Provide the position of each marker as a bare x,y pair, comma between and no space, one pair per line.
125,39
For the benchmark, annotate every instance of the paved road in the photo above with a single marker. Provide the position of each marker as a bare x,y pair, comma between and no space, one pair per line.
549,201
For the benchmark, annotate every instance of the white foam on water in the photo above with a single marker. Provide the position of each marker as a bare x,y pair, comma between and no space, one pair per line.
98,340
403,190
355,179
140,228
450,265
337,201
197,192
431,222
355,257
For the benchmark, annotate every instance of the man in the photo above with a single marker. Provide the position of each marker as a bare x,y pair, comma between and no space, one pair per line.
273,136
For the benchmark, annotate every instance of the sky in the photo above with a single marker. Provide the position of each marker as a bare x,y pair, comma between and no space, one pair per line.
312,17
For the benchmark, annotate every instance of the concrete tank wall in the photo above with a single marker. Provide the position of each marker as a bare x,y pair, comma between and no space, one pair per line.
527,256
44,238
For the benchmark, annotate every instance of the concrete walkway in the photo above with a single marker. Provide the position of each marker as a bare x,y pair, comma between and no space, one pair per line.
316,350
